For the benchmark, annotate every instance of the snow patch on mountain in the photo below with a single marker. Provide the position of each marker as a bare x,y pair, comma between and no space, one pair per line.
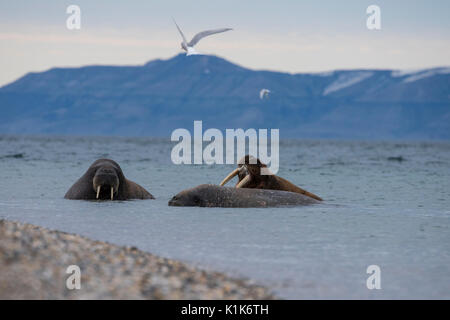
418,74
346,80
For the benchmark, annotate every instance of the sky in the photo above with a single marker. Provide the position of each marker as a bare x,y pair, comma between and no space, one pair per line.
283,35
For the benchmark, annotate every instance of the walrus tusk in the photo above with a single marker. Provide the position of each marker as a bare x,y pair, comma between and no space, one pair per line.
244,182
112,193
98,192
230,176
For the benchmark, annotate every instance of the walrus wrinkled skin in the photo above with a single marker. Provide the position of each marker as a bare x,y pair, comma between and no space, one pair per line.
209,195
104,180
249,174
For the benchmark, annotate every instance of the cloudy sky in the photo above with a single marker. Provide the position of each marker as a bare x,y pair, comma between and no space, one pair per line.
285,35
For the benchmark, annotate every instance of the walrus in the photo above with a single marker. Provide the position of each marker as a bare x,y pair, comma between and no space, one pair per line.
104,180
249,174
209,195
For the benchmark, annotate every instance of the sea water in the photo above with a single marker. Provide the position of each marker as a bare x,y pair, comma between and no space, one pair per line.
386,204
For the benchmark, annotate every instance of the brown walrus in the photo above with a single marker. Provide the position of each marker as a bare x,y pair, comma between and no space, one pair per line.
104,180
249,173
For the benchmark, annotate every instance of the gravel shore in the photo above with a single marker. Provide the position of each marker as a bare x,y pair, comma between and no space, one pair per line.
33,263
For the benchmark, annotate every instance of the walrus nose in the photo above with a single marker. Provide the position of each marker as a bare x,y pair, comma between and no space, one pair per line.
174,202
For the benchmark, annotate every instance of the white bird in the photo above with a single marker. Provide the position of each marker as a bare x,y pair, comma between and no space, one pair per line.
189,46
264,93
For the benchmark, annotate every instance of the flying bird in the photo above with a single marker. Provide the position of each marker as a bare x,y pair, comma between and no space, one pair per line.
189,46
264,93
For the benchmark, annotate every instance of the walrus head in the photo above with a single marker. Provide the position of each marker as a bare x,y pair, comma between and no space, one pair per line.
194,197
248,172
106,179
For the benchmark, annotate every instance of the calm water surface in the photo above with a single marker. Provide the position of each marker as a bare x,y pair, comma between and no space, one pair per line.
378,210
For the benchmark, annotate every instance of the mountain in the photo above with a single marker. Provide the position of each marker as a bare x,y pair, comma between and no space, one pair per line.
162,95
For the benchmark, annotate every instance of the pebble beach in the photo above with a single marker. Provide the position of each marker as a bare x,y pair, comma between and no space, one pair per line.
34,260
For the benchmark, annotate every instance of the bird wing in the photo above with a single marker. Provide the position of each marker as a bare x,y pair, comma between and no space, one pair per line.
261,94
181,32
206,33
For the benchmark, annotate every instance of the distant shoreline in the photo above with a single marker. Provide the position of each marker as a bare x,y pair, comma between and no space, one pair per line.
164,95
34,260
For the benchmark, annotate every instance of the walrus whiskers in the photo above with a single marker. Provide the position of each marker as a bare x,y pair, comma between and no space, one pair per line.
98,191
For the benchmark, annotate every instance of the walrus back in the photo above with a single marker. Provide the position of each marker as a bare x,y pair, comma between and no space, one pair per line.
261,198
289,186
135,191
208,195
80,190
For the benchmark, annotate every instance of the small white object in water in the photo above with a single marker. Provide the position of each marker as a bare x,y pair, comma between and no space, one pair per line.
189,46
264,93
